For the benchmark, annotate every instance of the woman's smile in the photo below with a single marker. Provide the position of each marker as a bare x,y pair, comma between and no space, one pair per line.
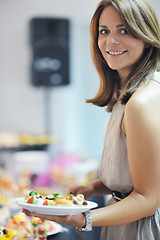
120,49
116,53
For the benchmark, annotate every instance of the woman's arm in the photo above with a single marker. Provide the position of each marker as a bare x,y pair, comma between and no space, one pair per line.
100,188
142,127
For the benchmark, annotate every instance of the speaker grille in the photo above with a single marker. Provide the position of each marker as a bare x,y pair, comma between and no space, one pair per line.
50,51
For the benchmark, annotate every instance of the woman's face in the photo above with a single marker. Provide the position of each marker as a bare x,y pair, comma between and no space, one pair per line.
118,47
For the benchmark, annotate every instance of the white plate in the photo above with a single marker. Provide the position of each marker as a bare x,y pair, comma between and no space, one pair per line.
54,210
57,228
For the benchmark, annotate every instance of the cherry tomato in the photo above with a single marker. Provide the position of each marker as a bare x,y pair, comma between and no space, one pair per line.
45,202
30,200
41,230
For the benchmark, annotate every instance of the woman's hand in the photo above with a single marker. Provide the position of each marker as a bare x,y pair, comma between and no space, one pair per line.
74,221
95,187
87,190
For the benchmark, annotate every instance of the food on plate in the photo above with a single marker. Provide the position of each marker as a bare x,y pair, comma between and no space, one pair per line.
41,227
55,199
18,227
42,233
6,234
13,234
37,223
21,227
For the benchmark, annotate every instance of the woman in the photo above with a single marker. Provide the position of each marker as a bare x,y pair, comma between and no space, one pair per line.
125,45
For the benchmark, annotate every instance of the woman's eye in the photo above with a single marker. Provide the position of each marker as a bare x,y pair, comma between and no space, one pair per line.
104,31
124,31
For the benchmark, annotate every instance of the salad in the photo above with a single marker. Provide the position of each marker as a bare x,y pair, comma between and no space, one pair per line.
55,199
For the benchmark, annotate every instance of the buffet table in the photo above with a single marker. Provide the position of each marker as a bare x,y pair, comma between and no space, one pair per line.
19,221
11,186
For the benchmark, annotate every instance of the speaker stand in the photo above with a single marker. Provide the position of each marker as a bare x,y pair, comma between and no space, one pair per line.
48,118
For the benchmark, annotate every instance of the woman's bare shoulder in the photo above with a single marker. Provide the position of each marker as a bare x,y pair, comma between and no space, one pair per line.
146,98
144,106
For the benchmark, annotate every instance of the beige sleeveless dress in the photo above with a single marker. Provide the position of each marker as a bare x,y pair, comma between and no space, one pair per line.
115,174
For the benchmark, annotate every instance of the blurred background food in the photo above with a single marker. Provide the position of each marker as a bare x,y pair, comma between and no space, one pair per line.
22,227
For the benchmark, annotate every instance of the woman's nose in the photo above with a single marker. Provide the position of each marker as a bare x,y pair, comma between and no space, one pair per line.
112,39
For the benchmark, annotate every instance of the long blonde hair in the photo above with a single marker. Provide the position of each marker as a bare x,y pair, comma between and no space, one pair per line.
141,22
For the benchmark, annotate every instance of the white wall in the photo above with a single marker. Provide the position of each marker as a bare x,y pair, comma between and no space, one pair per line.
80,126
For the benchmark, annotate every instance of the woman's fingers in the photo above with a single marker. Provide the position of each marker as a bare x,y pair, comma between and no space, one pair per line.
26,212
60,219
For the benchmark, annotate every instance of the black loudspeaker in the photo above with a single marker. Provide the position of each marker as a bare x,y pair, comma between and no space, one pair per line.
50,51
